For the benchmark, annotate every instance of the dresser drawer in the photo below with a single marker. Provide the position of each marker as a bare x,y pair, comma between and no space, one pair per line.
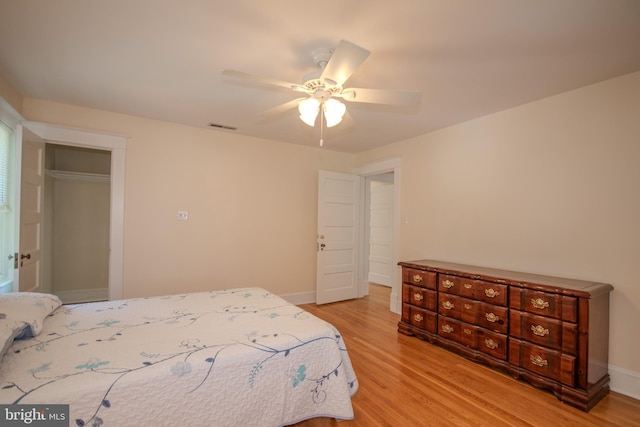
490,316
449,328
487,342
418,296
472,336
545,304
451,305
424,279
493,317
492,343
544,331
419,317
480,290
543,361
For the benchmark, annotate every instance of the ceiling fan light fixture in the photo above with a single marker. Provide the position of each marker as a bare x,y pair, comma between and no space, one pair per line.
324,84
308,110
333,111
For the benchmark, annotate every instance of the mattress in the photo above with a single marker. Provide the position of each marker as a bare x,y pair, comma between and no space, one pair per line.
239,357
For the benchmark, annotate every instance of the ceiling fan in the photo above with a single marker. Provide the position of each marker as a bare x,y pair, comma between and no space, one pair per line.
324,87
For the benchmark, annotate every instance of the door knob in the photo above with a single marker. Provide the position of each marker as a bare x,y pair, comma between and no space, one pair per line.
23,256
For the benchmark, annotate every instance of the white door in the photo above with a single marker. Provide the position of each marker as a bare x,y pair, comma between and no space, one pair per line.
31,217
338,238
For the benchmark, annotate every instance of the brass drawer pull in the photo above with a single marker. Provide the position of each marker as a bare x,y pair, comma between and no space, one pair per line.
467,285
491,293
491,317
417,278
447,305
538,361
539,330
539,303
417,297
447,283
468,306
491,343
418,317
467,331
447,328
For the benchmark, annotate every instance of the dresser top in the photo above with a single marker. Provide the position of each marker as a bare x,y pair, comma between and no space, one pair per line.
560,285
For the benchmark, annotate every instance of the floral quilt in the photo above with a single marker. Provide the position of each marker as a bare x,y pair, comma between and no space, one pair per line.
239,357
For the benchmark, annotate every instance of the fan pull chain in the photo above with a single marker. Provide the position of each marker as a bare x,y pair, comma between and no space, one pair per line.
321,124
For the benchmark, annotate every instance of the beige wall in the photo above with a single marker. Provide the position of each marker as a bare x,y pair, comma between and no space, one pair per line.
252,204
10,94
80,234
550,187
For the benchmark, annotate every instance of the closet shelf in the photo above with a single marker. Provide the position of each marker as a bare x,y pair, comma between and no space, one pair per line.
78,176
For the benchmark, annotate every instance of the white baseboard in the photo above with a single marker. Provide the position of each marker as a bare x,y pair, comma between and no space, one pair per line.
624,381
380,279
83,295
300,298
395,302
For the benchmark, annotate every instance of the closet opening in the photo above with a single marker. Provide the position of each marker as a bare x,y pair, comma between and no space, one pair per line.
76,230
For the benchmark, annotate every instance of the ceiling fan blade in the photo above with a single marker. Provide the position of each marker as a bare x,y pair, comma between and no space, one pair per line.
347,121
265,80
282,108
344,61
377,96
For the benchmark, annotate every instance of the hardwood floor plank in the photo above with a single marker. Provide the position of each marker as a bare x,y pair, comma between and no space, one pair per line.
405,381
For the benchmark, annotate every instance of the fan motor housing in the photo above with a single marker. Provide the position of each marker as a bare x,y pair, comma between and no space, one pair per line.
321,57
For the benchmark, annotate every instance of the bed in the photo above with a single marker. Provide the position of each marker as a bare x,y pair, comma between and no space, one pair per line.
238,357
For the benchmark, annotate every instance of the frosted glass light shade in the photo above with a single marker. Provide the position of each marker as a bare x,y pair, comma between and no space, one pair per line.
309,109
333,111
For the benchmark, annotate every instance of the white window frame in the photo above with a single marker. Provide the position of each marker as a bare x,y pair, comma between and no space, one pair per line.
10,119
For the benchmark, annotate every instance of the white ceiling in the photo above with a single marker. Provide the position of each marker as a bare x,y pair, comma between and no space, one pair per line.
163,59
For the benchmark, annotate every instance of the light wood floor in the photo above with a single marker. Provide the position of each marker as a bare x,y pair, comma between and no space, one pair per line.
405,381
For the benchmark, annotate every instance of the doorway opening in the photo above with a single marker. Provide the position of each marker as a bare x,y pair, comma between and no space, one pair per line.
76,223
379,221
379,244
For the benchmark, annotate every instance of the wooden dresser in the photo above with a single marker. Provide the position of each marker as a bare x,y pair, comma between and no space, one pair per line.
550,331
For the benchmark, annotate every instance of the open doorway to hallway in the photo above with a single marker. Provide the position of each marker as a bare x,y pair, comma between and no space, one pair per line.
379,199
383,253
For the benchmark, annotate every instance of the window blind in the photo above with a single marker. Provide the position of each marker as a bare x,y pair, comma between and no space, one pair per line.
5,138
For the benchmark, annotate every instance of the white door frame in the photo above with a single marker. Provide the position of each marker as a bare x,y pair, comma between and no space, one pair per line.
117,145
377,168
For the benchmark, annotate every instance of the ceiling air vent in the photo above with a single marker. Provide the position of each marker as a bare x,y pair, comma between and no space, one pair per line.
219,126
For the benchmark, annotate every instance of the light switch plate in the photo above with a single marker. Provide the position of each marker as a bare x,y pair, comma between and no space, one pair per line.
183,215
